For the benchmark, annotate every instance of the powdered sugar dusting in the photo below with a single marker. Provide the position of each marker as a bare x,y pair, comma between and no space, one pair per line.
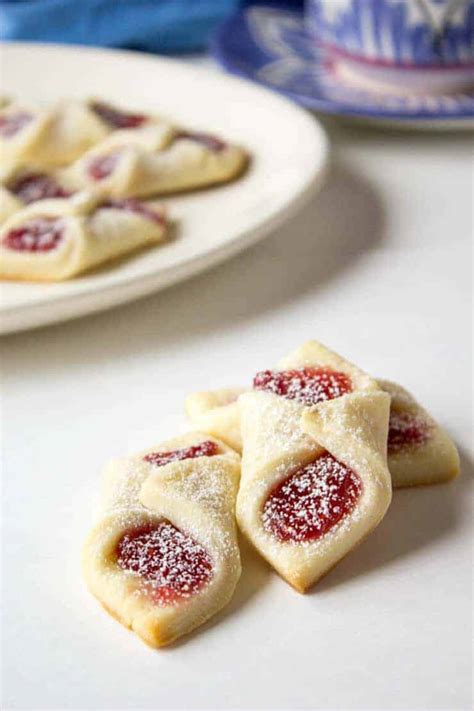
406,430
354,436
41,234
311,501
169,516
272,433
208,484
209,487
308,385
173,565
204,449
122,482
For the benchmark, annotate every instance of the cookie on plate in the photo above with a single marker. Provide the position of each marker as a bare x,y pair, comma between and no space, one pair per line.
40,138
156,160
52,240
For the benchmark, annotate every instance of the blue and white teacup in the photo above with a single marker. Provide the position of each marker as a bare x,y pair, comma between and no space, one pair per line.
417,45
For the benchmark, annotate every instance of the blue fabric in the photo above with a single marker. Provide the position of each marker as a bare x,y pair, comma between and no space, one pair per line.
149,25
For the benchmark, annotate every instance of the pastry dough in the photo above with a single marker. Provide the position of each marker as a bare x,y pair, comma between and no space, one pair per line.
164,556
314,481
9,204
217,411
48,138
314,475
25,187
53,240
30,186
155,160
419,451
428,457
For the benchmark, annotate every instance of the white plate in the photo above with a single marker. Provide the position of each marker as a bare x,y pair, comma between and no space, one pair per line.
289,148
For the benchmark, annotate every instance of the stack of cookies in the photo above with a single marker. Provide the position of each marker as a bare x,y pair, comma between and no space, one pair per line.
303,463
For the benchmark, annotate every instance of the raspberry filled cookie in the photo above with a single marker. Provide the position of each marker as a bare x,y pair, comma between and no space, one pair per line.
311,374
52,240
164,557
217,412
9,204
419,451
46,138
25,187
31,186
50,137
314,475
155,160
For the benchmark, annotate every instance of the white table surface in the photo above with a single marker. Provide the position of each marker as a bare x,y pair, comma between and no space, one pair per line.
379,268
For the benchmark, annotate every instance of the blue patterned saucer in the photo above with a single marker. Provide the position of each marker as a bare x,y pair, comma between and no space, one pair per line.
271,46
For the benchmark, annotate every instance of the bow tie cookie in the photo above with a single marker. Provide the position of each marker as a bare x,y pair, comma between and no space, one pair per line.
51,137
164,556
311,490
217,412
25,187
156,160
419,451
53,240
9,204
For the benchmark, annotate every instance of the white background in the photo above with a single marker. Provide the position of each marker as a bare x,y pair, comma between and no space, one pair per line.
379,268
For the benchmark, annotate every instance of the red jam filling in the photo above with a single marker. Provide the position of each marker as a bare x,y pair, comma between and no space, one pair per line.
308,385
13,123
211,142
41,234
140,208
173,564
101,167
37,186
203,449
311,501
406,430
116,118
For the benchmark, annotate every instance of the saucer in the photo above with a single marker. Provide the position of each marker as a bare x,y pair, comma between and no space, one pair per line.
271,46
